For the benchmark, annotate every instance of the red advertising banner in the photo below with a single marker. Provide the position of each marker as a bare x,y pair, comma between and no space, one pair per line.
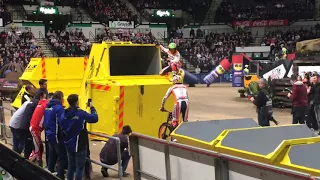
262,23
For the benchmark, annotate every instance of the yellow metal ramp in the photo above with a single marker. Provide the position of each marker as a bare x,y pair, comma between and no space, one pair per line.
302,155
261,144
204,134
121,79
63,73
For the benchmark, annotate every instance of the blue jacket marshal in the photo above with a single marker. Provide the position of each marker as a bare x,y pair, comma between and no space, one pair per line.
73,124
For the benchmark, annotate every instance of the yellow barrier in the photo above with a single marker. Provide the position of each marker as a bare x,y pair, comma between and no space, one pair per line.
301,155
249,78
63,73
122,79
126,87
261,144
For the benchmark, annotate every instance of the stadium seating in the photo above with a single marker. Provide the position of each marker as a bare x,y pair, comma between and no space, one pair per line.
208,52
289,38
108,10
230,10
197,9
18,46
69,42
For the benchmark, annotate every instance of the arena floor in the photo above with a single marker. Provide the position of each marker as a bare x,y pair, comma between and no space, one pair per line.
220,101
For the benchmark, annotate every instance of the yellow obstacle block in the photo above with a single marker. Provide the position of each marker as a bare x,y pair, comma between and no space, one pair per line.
205,134
301,155
261,144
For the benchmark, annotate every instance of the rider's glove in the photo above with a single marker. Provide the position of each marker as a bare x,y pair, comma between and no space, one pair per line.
174,123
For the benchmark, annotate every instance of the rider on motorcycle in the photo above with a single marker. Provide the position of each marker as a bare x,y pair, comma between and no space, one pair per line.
181,104
173,58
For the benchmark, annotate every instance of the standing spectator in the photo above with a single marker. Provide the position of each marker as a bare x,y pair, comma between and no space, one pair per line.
263,103
57,149
311,119
27,115
27,95
43,83
108,154
192,33
18,134
299,98
317,98
73,124
36,127
198,71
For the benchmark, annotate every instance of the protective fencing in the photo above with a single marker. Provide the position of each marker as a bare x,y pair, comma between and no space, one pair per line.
178,161
6,137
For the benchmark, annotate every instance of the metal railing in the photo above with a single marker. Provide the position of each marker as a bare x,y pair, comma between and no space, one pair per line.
179,161
120,173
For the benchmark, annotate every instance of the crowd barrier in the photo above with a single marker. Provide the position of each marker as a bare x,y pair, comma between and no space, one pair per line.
178,161
6,136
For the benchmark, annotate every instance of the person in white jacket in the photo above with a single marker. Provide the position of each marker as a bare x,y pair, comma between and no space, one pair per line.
174,59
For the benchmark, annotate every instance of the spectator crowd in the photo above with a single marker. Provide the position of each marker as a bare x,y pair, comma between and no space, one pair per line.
18,46
66,136
207,52
69,42
109,10
289,38
298,9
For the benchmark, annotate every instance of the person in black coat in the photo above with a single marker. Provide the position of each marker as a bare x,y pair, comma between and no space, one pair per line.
108,154
43,83
261,103
27,115
28,94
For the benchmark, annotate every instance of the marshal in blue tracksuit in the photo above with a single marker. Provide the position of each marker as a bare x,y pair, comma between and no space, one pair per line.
73,124
52,114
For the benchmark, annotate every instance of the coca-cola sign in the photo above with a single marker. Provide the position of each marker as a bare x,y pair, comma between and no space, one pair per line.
262,23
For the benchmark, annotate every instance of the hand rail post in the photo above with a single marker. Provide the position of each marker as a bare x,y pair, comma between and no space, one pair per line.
119,159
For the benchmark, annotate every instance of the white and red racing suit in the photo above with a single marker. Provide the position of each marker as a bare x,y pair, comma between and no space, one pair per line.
181,105
174,59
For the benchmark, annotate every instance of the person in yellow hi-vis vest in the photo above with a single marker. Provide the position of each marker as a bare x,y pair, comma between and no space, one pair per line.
13,26
246,70
284,52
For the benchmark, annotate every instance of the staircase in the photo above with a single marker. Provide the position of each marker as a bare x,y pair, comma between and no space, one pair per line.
212,11
135,11
79,14
45,47
17,12
317,4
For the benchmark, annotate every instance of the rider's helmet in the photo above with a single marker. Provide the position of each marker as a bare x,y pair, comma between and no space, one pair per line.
172,47
177,79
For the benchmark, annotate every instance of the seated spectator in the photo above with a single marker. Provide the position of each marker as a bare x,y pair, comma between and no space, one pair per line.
105,11
108,154
288,39
197,9
18,46
230,11
69,42
207,53
122,35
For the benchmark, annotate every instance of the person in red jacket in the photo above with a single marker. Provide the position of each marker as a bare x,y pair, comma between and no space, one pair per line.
299,99
36,127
